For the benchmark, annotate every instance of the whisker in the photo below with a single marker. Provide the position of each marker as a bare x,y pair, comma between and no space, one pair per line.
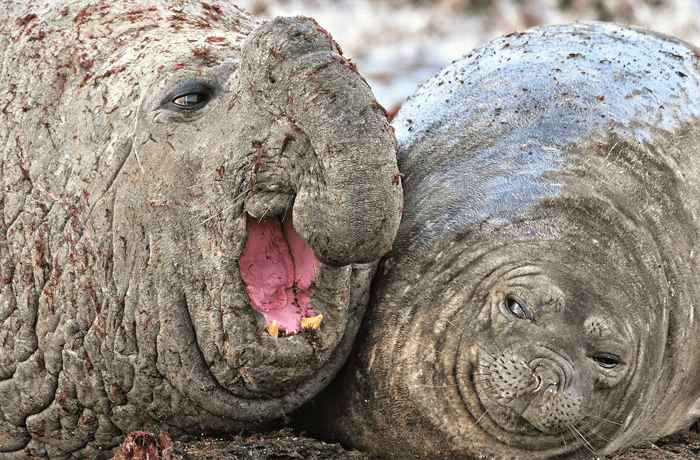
582,438
480,380
602,419
499,348
482,416
576,437
236,201
489,354
217,214
593,430
573,433
491,361
269,206
452,324
512,353
485,375
434,386
284,216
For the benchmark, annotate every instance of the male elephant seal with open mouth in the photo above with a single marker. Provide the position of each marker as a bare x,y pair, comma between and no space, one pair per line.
541,299
191,200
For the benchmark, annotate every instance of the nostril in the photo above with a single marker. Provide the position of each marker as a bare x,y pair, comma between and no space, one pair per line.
538,381
547,378
552,368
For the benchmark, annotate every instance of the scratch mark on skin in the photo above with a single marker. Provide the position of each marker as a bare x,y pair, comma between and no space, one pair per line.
193,366
138,160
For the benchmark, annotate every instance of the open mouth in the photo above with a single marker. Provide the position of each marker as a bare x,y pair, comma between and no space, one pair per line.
279,269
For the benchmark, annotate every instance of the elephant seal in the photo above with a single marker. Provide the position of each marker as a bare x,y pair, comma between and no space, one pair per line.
192,201
541,299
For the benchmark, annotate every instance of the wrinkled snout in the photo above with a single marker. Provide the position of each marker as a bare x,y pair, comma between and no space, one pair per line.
348,201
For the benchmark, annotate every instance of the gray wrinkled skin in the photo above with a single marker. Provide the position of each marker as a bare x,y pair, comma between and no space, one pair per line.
124,216
541,299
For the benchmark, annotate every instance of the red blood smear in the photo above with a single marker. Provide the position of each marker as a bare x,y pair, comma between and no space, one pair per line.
278,268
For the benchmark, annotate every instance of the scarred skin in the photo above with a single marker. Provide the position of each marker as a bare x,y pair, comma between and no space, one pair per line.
541,297
138,139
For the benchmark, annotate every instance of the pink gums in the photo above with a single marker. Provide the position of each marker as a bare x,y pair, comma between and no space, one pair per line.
278,268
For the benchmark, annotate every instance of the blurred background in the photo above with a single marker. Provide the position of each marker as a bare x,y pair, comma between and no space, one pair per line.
398,44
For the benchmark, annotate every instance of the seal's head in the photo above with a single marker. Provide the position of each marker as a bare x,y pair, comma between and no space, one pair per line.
544,357
539,301
191,200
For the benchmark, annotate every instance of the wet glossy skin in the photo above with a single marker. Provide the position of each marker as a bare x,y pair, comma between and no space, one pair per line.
539,298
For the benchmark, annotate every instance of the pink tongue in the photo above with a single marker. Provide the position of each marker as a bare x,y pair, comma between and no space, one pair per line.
278,268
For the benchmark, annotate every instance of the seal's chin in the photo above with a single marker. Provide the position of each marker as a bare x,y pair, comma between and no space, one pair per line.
512,421
279,270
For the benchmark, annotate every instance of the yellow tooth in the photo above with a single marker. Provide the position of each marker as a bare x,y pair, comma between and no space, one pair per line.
273,329
311,324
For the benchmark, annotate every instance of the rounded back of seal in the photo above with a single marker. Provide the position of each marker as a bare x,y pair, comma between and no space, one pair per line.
540,299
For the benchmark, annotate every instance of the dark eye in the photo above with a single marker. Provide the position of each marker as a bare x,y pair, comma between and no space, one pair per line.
607,361
191,101
517,308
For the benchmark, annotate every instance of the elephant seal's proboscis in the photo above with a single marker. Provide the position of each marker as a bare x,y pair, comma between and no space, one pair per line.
541,299
191,203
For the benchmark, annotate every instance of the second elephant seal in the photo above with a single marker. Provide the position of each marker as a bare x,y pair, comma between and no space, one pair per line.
541,299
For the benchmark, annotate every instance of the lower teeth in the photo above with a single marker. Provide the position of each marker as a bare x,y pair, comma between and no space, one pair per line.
307,324
273,329
311,324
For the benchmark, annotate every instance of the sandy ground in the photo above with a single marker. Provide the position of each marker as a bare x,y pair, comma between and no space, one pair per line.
285,444
397,45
